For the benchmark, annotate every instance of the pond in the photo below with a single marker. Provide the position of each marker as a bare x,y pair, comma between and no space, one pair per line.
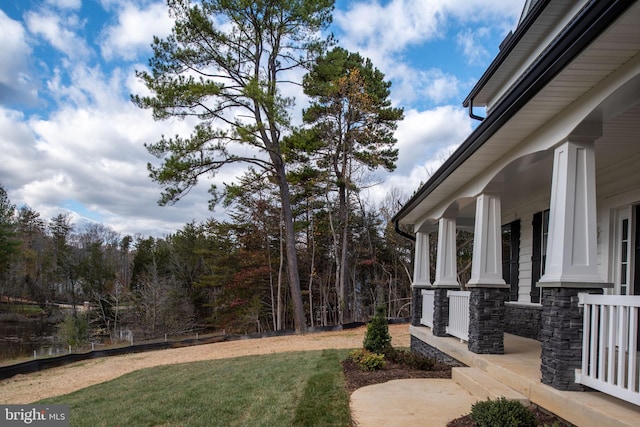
19,339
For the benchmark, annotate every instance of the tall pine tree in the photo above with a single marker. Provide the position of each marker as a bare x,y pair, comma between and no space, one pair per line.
353,124
224,64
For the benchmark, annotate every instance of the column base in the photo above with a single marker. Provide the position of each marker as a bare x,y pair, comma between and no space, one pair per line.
441,311
561,335
416,302
486,319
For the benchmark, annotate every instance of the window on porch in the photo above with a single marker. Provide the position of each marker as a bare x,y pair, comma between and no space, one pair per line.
627,250
539,249
511,257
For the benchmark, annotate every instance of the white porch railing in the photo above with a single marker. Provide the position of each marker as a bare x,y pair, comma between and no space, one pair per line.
610,345
427,308
459,314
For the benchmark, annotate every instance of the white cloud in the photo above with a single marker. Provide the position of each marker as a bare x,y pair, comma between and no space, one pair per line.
97,159
89,86
425,140
91,151
390,27
17,145
65,4
386,32
134,30
413,86
471,43
395,25
59,31
15,80
422,134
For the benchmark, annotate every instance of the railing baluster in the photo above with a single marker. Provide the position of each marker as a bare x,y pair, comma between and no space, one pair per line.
589,351
602,345
611,351
427,308
623,327
610,327
633,344
459,314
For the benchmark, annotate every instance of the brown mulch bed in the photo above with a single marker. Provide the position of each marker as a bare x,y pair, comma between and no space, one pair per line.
542,419
356,378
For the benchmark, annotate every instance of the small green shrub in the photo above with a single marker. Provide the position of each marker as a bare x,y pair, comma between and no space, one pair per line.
357,354
377,338
409,358
371,362
366,360
74,330
502,412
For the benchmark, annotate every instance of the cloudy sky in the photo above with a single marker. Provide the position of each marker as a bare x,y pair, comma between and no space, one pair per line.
72,142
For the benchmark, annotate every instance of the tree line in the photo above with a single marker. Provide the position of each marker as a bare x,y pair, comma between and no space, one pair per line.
225,275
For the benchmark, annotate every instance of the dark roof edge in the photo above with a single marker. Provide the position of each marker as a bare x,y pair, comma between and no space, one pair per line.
505,50
592,20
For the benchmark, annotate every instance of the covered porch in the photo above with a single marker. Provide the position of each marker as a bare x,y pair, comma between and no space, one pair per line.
519,370
554,214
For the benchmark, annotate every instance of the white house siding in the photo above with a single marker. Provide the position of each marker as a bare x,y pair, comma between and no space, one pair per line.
526,242
525,215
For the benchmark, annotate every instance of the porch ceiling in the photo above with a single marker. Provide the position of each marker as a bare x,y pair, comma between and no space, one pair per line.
613,48
618,153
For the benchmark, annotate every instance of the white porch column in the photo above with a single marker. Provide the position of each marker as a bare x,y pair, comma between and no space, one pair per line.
421,274
571,246
486,267
446,270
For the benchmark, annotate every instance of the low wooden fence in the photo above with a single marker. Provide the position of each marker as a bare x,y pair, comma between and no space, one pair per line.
459,314
610,358
427,308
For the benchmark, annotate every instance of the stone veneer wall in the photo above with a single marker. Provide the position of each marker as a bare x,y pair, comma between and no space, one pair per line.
416,305
487,319
562,337
523,320
440,312
425,349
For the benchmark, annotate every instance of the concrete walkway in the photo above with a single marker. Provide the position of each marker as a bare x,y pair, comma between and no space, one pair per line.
412,402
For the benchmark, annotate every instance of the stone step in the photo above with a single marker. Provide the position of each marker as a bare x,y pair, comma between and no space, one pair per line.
484,386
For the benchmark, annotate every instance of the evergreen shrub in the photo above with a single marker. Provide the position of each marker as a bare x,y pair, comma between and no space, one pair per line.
409,358
366,360
502,412
377,338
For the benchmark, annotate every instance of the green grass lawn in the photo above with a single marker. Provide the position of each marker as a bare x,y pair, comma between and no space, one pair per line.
23,309
286,389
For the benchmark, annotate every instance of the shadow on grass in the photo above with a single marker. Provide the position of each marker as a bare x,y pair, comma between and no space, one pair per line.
325,401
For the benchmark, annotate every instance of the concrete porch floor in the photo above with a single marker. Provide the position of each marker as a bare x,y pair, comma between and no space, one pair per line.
519,369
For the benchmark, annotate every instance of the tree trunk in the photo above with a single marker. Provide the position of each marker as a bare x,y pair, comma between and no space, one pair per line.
338,258
311,243
280,266
274,305
290,247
